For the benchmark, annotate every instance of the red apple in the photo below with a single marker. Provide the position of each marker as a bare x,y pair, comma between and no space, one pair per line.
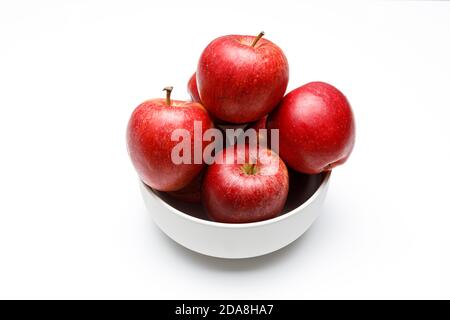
241,78
238,192
193,90
257,126
150,145
317,128
192,192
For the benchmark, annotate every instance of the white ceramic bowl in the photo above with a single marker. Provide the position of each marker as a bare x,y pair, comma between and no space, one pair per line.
188,225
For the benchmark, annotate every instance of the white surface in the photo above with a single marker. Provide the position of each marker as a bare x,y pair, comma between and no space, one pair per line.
72,221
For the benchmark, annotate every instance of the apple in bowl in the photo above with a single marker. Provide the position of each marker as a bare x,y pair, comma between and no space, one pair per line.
245,185
316,128
150,144
241,78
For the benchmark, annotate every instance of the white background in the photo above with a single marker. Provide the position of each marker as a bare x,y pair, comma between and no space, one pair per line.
72,222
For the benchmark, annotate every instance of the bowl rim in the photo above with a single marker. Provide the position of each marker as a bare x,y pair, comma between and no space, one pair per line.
277,219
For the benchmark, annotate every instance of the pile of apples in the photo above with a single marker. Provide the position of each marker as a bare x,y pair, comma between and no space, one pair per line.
241,82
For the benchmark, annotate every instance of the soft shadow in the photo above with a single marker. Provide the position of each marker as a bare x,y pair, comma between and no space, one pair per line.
240,265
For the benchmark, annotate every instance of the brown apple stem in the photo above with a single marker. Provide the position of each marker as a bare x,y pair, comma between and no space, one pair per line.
260,35
168,91
250,168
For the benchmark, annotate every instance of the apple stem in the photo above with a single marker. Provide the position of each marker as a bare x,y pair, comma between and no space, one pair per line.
259,36
249,168
168,91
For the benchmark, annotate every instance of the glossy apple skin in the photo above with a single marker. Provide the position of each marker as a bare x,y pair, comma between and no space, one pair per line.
193,90
239,83
220,124
257,126
191,193
317,128
149,141
260,124
231,196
